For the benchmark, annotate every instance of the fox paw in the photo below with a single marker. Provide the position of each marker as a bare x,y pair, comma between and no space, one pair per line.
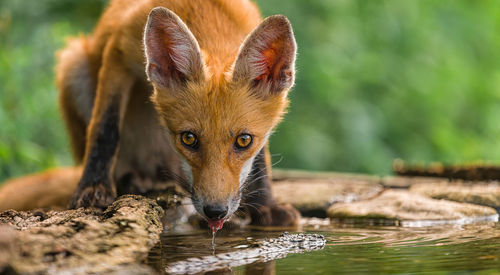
277,215
98,196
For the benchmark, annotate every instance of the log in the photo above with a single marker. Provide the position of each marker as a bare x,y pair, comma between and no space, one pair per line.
82,240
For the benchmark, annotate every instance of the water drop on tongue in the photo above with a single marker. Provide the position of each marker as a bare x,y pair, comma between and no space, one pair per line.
215,226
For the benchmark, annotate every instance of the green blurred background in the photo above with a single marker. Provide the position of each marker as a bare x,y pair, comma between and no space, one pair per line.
377,80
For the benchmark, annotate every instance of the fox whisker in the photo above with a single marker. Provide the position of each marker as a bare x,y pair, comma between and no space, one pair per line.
181,181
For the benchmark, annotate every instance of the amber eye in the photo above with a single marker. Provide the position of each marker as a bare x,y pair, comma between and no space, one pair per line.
189,139
243,141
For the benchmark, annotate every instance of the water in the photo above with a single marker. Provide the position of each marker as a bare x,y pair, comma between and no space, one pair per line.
446,249
213,241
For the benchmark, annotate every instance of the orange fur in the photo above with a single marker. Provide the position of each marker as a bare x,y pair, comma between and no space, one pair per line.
49,189
214,69
226,93
220,116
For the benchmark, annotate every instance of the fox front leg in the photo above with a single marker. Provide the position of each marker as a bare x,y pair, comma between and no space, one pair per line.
258,198
96,187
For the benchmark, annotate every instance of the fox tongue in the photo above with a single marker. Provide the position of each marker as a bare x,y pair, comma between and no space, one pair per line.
215,225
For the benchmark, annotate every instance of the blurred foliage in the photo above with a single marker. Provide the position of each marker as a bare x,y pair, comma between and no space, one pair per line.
32,136
377,80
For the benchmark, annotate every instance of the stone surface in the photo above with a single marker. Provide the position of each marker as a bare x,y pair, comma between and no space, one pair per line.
397,182
7,237
481,193
315,194
401,205
85,241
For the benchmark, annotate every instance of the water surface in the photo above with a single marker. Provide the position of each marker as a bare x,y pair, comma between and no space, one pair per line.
350,249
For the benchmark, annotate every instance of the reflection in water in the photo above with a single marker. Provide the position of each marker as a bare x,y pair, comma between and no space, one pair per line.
351,249
267,268
213,242
263,250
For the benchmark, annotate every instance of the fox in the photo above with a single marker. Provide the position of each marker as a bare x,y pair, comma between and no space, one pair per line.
51,189
184,90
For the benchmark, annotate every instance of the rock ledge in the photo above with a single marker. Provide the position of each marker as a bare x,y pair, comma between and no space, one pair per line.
82,241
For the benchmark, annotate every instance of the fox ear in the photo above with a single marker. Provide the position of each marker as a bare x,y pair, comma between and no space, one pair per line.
172,52
266,58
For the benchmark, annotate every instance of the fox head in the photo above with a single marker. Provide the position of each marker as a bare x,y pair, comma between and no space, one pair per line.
219,122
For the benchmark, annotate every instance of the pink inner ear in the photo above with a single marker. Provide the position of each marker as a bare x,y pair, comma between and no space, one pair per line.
171,56
273,63
172,51
163,55
161,67
267,57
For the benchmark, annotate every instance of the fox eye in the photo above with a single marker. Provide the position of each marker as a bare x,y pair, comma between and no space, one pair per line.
243,141
189,139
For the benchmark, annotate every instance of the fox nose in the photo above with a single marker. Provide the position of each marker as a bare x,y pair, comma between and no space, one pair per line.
215,211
